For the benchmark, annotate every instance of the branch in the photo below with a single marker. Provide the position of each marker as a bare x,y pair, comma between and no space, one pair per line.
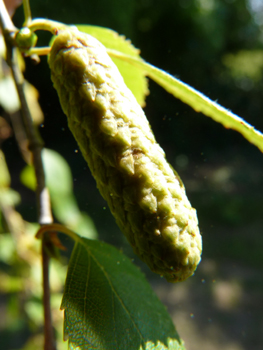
27,12
35,146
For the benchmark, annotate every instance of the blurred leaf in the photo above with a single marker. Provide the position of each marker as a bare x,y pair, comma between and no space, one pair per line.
9,197
57,171
8,95
27,177
2,51
7,249
34,310
67,212
32,96
109,304
196,100
5,129
10,284
245,64
10,102
60,184
134,77
83,223
5,178
34,342
57,276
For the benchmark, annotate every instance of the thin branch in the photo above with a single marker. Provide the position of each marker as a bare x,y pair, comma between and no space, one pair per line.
27,12
39,51
43,200
49,339
46,24
35,145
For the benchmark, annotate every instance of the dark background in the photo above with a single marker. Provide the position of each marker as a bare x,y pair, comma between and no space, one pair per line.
220,307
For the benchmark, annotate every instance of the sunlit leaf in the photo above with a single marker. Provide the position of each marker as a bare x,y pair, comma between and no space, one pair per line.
134,77
110,306
196,100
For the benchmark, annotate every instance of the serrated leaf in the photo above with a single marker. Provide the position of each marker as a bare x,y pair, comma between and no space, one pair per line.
195,99
110,306
134,78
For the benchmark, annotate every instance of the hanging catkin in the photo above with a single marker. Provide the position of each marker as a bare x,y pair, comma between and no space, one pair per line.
145,195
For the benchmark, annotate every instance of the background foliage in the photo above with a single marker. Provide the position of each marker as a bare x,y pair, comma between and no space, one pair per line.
216,47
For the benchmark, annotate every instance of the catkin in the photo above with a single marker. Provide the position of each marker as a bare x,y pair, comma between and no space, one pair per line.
144,193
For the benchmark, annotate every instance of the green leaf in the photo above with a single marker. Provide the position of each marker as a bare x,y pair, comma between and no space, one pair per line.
195,99
134,77
110,306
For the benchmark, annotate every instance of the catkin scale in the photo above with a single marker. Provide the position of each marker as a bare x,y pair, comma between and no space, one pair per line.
144,193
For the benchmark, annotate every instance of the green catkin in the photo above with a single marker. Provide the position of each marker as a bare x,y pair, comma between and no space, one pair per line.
145,195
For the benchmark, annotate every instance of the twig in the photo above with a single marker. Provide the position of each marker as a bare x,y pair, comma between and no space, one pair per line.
35,145
46,24
50,343
43,201
27,12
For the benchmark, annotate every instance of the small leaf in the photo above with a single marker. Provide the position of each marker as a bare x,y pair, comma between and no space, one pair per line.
134,77
110,306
